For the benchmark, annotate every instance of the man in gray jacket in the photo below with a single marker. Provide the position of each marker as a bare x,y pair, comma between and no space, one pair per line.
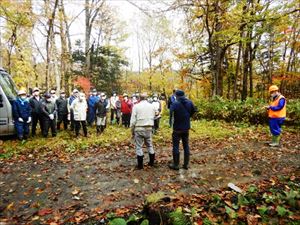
141,123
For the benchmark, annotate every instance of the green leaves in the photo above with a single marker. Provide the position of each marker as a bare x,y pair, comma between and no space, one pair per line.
118,221
231,213
179,218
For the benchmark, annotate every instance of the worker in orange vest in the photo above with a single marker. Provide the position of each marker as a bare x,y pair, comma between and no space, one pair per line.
276,113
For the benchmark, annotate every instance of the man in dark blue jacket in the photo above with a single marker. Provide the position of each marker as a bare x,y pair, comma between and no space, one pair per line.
22,115
181,110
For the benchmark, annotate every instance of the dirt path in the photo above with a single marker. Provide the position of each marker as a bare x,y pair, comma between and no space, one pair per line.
96,182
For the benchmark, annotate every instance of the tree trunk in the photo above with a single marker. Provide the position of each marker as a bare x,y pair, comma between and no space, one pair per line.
50,39
88,29
245,73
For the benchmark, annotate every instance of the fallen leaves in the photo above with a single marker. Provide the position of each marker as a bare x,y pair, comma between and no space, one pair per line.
45,211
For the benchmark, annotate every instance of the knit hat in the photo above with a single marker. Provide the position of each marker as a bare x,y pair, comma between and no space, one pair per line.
179,93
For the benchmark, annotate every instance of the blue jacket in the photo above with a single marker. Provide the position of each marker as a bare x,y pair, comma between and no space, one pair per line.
21,109
182,110
92,101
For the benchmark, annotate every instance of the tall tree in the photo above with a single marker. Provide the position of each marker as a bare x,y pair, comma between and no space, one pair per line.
92,8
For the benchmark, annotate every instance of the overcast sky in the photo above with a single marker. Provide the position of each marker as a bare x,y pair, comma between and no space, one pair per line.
126,12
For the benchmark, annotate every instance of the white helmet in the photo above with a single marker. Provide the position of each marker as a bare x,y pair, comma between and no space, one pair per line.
21,92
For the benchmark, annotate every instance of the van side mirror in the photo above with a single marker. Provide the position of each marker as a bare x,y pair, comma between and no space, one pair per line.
1,101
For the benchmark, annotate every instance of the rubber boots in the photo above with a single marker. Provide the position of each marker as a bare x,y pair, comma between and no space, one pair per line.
175,164
275,141
151,159
98,130
186,161
140,164
102,128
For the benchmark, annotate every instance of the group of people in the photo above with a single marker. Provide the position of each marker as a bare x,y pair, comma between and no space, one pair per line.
51,111
140,112
48,111
143,119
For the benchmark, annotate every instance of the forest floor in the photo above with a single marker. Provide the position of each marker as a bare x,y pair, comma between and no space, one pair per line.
47,185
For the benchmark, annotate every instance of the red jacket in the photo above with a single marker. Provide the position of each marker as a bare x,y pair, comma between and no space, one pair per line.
126,107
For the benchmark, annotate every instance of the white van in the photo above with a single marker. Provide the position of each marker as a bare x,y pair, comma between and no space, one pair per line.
8,94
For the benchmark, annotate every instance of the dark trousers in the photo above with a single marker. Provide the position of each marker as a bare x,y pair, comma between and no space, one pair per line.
113,114
72,121
36,118
156,124
22,129
176,137
78,124
62,119
91,116
126,119
47,123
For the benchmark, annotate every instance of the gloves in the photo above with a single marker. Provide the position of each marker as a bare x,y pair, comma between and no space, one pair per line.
29,119
69,116
51,116
21,120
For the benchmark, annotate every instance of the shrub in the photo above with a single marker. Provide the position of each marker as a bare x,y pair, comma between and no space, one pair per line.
250,111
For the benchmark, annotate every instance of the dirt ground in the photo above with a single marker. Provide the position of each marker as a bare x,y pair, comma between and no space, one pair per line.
36,190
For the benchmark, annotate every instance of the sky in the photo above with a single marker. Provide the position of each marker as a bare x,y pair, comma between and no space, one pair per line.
126,12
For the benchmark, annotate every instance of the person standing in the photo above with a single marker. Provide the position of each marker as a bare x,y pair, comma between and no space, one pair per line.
171,100
62,110
49,111
53,95
276,113
22,115
118,110
181,110
156,103
126,108
101,108
71,113
113,107
80,107
35,102
92,100
141,123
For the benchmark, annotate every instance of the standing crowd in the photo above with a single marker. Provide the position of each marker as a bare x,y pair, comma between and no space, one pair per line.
75,112
140,112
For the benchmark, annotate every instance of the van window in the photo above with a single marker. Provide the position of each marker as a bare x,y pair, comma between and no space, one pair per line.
8,86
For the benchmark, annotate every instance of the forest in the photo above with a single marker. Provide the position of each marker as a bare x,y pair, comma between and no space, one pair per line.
232,49
224,55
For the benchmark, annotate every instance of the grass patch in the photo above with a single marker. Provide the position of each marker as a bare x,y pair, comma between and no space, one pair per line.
66,141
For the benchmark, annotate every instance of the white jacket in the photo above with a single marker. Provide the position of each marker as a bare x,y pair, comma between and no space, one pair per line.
79,109
143,114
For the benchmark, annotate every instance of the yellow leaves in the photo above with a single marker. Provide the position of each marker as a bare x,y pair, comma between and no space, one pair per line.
10,206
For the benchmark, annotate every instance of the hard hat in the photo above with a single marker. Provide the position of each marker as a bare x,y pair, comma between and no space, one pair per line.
125,95
273,88
75,91
22,92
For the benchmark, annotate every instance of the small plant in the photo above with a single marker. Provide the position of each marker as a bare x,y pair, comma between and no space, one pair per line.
179,218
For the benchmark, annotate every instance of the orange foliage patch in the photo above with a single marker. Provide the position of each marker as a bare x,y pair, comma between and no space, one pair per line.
84,83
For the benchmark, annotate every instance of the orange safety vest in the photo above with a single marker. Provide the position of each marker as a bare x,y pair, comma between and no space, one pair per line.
280,113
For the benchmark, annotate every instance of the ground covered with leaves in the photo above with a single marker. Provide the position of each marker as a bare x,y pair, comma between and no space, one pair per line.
93,181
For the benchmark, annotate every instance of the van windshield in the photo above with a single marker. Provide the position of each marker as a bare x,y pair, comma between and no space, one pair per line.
8,86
